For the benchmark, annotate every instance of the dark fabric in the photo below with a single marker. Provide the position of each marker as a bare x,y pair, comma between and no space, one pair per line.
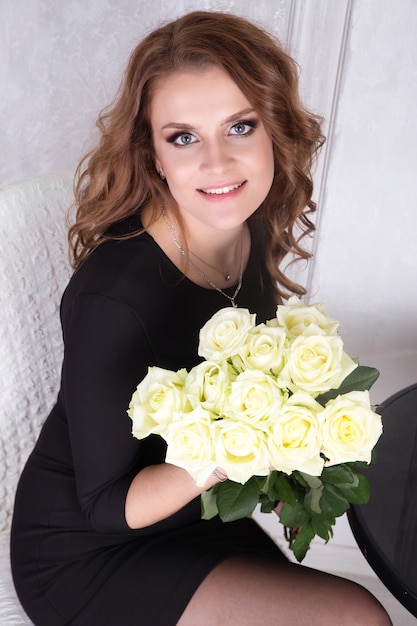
74,559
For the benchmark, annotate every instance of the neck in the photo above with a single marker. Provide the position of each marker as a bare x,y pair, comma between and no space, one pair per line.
222,252
216,258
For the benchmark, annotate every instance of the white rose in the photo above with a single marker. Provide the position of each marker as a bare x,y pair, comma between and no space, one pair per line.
263,349
254,398
207,385
303,319
190,444
350,428
316,363
157,397
240,450
294,441
224,333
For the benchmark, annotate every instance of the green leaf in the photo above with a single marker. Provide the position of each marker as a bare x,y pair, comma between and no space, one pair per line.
266,498
261,481
323,526
294,516
333,503
339,475
301,543
374,458
235,501
313,498
280,487
360,493
208,504
267,505
299,477
314,482
360,379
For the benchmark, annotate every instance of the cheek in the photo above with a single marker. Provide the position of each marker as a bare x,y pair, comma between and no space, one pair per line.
262,156
166,157
265,166
177,167
269,164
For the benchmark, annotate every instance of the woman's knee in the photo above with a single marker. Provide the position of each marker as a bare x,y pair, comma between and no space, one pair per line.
247,590
362,608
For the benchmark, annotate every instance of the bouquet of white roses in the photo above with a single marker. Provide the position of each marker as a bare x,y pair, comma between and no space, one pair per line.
279,407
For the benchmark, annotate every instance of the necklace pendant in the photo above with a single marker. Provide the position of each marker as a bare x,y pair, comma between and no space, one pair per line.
199,271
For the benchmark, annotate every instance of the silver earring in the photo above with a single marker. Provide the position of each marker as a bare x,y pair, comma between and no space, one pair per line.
161,173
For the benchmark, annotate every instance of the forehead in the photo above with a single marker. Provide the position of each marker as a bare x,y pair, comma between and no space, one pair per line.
194,93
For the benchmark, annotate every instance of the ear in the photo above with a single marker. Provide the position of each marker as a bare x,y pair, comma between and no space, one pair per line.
159,169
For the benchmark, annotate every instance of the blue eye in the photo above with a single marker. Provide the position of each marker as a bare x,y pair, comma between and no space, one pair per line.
243,128
182,139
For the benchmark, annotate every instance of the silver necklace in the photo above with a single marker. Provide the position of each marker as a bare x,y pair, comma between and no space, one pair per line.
225,276
198,270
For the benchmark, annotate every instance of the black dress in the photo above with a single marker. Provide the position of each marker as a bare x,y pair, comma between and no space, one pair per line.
74,558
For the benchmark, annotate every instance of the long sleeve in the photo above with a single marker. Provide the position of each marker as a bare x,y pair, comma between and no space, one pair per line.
106,354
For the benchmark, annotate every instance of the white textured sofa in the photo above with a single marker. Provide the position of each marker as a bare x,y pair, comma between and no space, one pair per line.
34,269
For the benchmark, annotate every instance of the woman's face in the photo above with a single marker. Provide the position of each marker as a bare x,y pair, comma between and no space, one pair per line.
212,147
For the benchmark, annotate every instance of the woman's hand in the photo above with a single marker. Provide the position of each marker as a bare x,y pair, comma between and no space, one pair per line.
159,491
219,474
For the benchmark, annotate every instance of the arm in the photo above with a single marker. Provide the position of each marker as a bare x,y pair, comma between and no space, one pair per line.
158,491
121,482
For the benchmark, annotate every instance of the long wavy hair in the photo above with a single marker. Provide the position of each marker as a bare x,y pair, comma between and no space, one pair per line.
118,178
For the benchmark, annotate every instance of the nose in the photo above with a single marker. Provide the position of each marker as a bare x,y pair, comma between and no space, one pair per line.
216,156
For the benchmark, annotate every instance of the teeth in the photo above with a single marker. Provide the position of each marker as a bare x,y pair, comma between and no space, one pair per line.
221,190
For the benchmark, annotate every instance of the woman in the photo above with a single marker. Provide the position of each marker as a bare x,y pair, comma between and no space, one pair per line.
199,187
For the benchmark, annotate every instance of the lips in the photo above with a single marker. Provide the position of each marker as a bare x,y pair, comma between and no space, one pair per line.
219,191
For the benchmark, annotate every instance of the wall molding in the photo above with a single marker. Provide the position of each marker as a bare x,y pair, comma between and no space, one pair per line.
318,37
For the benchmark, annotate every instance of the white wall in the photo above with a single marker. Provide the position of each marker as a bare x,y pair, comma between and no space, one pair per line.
61,63
365,267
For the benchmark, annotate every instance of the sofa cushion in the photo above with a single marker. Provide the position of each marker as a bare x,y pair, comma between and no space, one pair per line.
11,613
34,269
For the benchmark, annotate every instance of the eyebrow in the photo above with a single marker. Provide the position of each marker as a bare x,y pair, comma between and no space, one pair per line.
229,119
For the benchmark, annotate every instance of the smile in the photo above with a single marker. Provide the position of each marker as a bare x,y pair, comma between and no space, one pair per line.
222,190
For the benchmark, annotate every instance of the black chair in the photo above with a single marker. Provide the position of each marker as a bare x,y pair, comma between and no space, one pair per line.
386,528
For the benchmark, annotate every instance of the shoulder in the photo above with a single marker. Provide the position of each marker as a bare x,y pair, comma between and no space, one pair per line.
102,271
119,269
